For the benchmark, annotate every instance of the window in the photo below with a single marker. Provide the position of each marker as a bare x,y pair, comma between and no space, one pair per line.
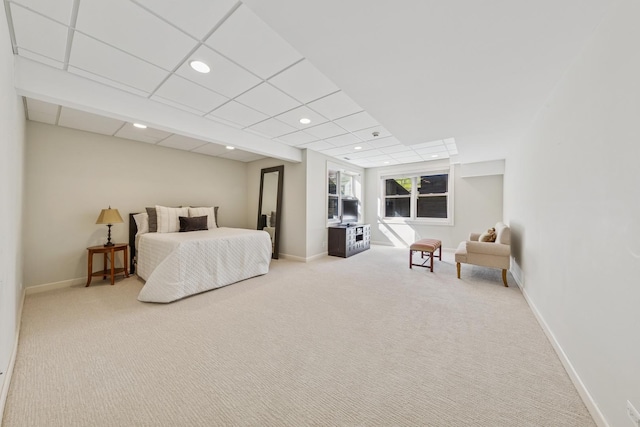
420,196
332,210
341,185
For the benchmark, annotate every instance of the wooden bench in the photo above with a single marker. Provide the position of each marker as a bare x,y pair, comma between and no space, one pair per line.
425,245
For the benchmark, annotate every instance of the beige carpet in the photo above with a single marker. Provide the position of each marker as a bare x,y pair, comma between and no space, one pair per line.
363,341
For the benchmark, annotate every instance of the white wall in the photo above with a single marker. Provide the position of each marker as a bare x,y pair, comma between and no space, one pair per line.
477,206
572,195
316,232
71,175
12,124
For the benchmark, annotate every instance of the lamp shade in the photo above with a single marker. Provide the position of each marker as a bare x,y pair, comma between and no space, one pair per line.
109,216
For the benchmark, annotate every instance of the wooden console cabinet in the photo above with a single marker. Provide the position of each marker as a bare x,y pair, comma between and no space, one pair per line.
347,240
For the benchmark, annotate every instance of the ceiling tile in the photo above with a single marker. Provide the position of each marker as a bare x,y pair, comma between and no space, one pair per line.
237,113
406,157
53,45
317,145
149,135
292,117
398,148
241,156
338,151
138,32
297,138
377,157
41,107
358,121
304,82
182,142
108,82
342,140
211,149
272,128
364,147
247,40
430,150
39,58
436,143
326,130
59,10
38,116
225,77
89,122
195,17
189,94
367,134
267,99
435,156
335,106
98,58
43,112
389,141
363,154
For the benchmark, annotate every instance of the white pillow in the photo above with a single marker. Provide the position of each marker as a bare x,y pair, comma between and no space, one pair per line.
142,222
168,218
209,212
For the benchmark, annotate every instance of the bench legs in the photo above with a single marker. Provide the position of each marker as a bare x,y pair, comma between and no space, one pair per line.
430,256
458,267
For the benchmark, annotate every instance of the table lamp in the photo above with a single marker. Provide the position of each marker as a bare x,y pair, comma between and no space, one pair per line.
109,217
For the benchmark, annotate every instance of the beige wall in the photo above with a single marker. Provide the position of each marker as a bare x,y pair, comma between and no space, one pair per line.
477,207
12,124
71,175
292,230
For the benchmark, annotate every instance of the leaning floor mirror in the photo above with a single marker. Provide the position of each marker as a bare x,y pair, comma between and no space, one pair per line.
270,205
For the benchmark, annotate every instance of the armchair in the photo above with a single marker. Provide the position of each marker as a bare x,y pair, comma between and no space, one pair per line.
487,254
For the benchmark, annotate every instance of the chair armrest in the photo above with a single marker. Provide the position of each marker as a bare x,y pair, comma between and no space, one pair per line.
474,237
489,248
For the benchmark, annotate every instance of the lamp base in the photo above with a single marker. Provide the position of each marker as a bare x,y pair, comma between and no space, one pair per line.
109,244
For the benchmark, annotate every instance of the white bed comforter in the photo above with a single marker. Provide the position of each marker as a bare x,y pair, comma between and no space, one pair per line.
176,265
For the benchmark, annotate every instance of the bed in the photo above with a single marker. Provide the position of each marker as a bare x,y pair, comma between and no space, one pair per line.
177,264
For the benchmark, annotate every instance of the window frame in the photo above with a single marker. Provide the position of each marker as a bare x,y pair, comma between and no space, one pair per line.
355,190
415,175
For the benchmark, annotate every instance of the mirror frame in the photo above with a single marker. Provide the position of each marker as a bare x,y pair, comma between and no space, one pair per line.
276,237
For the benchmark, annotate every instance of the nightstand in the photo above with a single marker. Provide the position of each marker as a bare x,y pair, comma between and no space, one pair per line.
110,253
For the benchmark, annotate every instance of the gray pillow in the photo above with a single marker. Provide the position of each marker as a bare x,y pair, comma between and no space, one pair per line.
193,223
153,220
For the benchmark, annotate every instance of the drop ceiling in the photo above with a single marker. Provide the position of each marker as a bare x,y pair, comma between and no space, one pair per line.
382,83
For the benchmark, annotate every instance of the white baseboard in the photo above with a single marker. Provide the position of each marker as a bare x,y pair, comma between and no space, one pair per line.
55,285
517,274
6,382
302,259
591,405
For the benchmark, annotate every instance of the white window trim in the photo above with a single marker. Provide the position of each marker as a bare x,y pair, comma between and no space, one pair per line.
341,171
411,173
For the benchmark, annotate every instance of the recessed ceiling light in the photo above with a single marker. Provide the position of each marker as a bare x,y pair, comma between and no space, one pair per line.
386,163
230,147
140,125
305,121
434,155
357,148
200,66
